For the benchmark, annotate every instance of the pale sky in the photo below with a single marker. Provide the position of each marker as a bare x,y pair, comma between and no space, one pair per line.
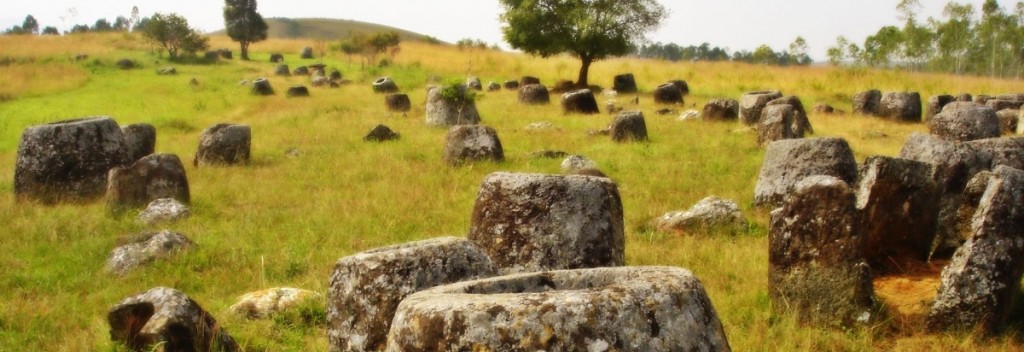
735,24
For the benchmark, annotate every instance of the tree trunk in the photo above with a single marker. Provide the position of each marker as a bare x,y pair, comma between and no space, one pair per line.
581,82
244,49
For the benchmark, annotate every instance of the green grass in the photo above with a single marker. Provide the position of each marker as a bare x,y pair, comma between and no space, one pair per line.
284,221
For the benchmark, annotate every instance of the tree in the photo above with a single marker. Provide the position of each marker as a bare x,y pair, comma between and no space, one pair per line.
133,20
244,25
880,49
371,46
590,30
172,33
30,26
798,51
121,24
836,54
102,25
50,30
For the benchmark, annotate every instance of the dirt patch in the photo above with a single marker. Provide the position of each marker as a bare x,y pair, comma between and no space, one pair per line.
907,289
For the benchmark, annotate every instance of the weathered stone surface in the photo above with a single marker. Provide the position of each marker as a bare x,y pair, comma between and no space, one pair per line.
534,94
689,115
385,85
959,105
144,249
979,285
629,126
282,70
900,106
801,124
564,86
776,124
548,154
335,75
815,267
276,57
493,86
752,103
532,222
1007,151
224,144
541,126
822,108
668,93
298,91
867,102
982,99
261,86
366,288
1008,120
320,81
163,210
166,319
709,213
574,163
139,139
398,102
68,160
786,162
624,83
265,303
964,97
444,111
381,133
935,105
511,84
152,177
999,104
721,110
899,205
301,71
605,309
306,53
469,143
579,101
965,124
682,85
474,83
1011,97
528,80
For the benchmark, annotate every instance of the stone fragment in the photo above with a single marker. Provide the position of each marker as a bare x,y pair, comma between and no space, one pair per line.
935,105
867,102
276,57
982,99
964,97
824,109
442,111
752,103
548,154
579,101
624,83
534,94
629,126
224,144
721,110
301,71
710,213
656,309
266,303
786,162
163,210
165,319
469,143
366,288
965,124
125,64
532,222
493,86
167,71
385,85
900,106
152,177
140,139
668,93
144,249
381,133
899,205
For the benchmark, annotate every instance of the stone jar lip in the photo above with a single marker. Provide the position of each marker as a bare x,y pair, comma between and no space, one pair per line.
564,282
433,242
82,120
762,92
382,80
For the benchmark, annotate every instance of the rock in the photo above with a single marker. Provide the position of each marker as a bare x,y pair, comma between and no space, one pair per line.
752,103
298,91
320,81
605,309
458,109
721,110
668,93
549,154
533,222
900,106
265,303
964,97
867,102
398,102
474,83
385,85
468,143
306,53
579,101
282,70
999,104
301,71
589,172
543,125
980,283
511,84
493,86
1008,119
958,105
381,133
164,319
982,99
150,178
574,163
624,83
165,71
776,124
564,86
276,57
163,210
815,267
1011,97
801,124
786,162
527,80
935,105
965,124
899,205
144,249
335,75
261,86
226,54
224,144
68,160
534,94
999,151
682,85
666,111
711,213
193,82
366,288
125,64
824,109
629,126
317,69
689,115
139,139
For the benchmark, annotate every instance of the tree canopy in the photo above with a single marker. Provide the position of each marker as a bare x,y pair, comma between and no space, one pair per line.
244,25
172,33
587,29
370,46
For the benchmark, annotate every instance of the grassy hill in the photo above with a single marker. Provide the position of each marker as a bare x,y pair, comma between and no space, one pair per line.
315,191
327,29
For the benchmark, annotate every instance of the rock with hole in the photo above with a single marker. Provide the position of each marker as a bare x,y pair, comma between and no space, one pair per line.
166,319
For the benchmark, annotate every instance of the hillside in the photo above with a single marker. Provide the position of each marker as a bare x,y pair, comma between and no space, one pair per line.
328,29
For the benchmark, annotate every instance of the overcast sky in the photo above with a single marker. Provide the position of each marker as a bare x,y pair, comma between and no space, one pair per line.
735,24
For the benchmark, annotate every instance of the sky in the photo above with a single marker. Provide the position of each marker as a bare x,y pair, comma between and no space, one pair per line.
733,24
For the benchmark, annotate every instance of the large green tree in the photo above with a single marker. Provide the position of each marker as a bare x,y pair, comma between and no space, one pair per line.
172,33
244,24
590,30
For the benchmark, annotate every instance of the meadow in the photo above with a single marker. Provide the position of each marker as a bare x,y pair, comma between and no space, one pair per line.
315,191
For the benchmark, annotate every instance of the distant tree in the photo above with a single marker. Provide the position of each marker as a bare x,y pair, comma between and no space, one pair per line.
121,24
14,30
50,30
133,19
30,25
172,33
80,28
370,46
764,55
836,54
102,25
798,52
244,24
469,43
140,24
881,48
590,30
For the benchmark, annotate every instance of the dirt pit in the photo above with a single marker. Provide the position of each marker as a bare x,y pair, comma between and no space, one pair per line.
907,289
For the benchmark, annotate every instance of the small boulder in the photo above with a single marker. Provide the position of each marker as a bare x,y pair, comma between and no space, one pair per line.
629,126
527,80
982,99
276,57
265,303
140,139
301,71
298,91
822,108
801,124
965,124
900,106
381,133
786,162
468,143
144,249
964,97
711,213
511,84
579,101
450,106
167,71
721,110
668,93
320,81
548,154
935,105
150,178
682,85
493,86
624,83
752,103
385,85
335,75
224,144
867,102
306,53
574,163
261,86
474,83
776,124
166,319
163,210
398,102
282,70
534,94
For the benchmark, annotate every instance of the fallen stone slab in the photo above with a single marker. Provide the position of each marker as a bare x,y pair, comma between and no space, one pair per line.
144,249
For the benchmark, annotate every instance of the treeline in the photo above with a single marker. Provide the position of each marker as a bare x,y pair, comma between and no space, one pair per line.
121,24
963,41
764,54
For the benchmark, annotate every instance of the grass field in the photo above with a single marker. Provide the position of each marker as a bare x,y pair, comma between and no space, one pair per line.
284,220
